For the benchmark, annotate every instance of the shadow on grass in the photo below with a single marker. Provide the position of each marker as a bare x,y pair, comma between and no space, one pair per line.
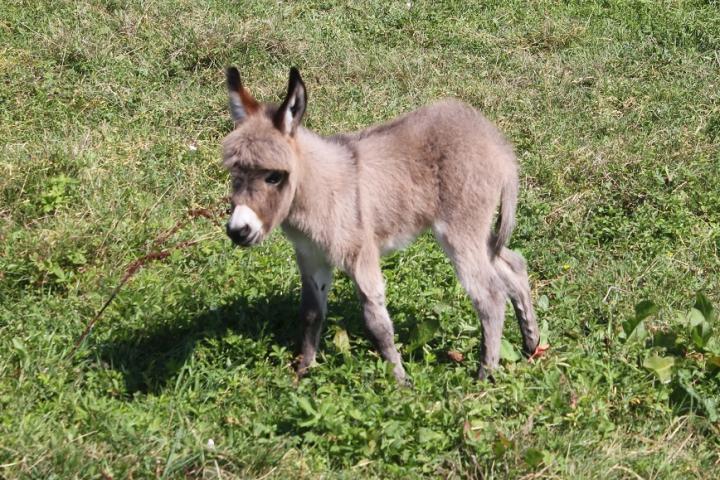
151,358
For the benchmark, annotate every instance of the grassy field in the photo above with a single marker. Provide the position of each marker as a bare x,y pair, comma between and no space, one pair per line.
111,114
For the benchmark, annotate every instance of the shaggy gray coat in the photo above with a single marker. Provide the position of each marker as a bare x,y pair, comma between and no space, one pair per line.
345,200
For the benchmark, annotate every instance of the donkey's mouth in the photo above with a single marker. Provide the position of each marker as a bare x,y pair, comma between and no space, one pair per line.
250,241
244,237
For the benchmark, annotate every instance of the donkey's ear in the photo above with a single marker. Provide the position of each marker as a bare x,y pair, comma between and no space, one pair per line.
288,116
242,103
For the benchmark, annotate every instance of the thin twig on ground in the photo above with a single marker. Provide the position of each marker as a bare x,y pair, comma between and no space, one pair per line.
153,256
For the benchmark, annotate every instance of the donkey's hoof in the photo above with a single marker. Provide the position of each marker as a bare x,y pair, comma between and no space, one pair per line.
401,377
529,348
405,383
539,352
301,367
302,370
485,374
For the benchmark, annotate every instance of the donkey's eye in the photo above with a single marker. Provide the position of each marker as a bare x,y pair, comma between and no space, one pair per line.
273,178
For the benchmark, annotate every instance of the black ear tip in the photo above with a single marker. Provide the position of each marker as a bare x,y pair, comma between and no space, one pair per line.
233,77
294,73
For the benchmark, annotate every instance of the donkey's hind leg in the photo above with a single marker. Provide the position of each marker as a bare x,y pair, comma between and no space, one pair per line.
510,266
484,287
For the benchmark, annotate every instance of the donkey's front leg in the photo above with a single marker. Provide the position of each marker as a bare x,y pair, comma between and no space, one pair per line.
371,290
316,277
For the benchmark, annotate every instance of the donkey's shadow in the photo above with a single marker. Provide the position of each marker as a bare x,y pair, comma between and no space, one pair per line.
149,358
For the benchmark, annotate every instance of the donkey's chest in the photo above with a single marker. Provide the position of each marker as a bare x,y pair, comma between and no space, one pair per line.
310,250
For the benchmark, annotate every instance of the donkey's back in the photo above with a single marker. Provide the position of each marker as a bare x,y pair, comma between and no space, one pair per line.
439,165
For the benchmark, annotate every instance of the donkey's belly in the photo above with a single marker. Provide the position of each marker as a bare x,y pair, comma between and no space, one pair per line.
397,241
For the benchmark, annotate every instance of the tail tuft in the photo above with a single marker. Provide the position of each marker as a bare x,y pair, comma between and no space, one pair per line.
506,217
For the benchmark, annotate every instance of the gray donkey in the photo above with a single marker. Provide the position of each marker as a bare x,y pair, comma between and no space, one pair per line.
345,200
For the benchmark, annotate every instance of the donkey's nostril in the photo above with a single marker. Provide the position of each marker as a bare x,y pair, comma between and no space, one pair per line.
238,235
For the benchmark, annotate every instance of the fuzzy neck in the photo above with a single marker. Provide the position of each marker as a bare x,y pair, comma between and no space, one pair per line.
325,205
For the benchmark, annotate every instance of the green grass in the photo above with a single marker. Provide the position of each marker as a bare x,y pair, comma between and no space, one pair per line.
111,114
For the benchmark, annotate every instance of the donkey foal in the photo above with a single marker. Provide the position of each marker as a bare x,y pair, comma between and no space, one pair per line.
345,200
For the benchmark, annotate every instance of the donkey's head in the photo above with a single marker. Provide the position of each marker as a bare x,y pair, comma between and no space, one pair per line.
261,156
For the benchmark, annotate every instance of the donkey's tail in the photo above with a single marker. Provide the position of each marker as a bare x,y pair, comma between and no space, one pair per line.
506,217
